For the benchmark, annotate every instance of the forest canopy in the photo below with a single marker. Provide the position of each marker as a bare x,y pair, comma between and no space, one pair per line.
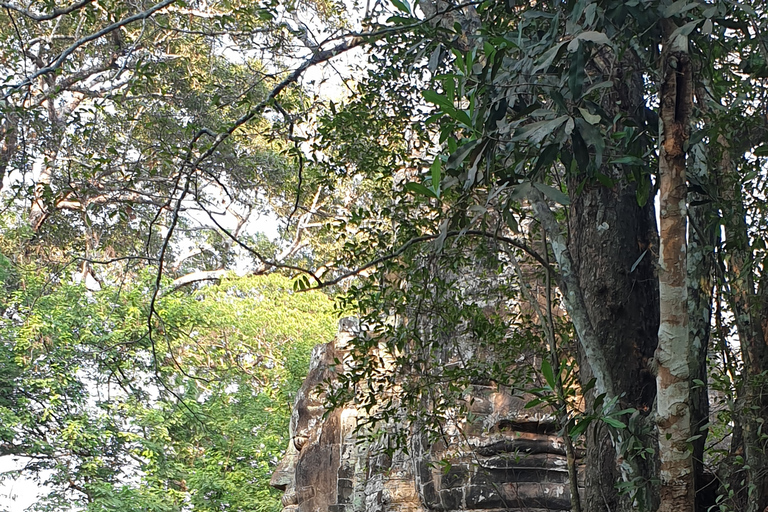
599,163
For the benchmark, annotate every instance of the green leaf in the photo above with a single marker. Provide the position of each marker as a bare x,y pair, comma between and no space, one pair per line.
598,403
602,85
460,116
419,189
497,113
510,220
520,191
746,8
553,193
580,151
629,160
399,20
604,180
536,132
696,137
449,84
447,106
437,99
434,59
685,30
761,150
534,403
679,7
546,370
434,172
578,9
590,118
402,5
458,156
589,14
589,35
614,422
577,74
594,137
643,191
546,158
580,427
549,57
476,157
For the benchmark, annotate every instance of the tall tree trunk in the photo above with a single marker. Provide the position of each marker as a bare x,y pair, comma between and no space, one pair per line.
701,241
8,143
750,311
756,437
40,209
623,308
673,355
612,238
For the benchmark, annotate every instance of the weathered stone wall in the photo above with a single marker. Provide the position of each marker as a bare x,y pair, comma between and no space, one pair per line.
506,458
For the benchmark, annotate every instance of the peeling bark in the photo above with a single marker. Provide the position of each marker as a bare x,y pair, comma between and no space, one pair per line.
673,354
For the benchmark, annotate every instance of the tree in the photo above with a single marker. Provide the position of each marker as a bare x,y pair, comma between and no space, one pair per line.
544,130
560,104
199,419
138,143
123,121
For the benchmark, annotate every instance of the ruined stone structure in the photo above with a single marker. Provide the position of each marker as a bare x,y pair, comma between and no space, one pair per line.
507,458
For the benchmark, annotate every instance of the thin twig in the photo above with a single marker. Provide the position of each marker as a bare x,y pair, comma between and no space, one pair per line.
49,16
53,66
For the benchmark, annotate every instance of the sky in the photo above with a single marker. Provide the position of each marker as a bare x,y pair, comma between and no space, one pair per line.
17,495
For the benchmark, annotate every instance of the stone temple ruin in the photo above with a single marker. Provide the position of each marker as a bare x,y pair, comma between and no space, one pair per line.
506,458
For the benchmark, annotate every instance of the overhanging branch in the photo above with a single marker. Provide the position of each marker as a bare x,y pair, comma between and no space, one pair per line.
47,16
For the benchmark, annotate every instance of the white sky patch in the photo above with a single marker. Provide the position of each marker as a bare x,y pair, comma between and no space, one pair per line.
17,495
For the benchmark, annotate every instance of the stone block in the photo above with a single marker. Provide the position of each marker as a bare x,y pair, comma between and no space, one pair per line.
345,490
452,499
456,476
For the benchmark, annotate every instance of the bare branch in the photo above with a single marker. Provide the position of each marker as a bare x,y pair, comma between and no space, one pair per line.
317,58
196,277
48,16
87,39
428,238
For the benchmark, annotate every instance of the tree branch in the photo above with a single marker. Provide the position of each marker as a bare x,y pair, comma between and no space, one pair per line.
428,238
49,16
574,298
52,67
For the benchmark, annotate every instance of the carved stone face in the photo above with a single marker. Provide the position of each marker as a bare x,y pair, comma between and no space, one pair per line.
507,458
315,473
284,478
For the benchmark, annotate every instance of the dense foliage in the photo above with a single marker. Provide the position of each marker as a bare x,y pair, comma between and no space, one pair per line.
109,419
524,144
567,117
